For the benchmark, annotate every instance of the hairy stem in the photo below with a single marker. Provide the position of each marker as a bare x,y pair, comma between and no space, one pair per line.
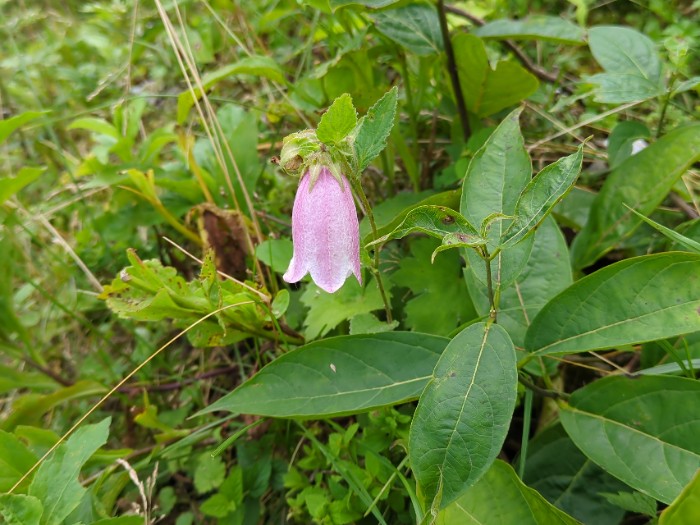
375,270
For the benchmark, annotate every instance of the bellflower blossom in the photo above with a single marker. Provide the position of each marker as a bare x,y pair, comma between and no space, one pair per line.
325,231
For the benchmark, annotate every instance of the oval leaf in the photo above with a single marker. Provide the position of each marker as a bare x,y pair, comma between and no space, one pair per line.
496,176
632,301
340,375
626,427
436,221
464,413
516,503
541,194
548,28
655,170
415,27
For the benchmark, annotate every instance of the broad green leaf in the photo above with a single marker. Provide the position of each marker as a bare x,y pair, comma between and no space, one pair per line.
620,88
9,125
464,413
569,480
253,65
440,301
19,509
338,121
435,221
547,28
631,63
15,460
487,91
500,498
687,242
625,50
685,510
496,176
340,375
392,212
541,194
369,324
625,426
632,301
328,310
11,185
56,482
622,140
546,273
415,27
640,182
373,129
276,253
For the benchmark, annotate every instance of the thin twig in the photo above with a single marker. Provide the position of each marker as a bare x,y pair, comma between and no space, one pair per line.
554,394
536,70
452,68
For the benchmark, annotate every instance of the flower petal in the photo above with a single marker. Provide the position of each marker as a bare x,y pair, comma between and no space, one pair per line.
325,231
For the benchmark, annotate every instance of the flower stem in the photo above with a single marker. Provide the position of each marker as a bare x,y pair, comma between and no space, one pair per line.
375,270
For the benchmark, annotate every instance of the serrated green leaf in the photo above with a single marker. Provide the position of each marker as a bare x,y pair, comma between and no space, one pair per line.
546,28
440,301
19,509
340,375
464,413
15,460
338,121
656,169
517,503
56,483
209,473
487,91
632,301
373,129
626,427
415,27
326,311
541,194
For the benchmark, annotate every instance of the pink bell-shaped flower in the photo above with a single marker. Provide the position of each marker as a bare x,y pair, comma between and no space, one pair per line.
325,232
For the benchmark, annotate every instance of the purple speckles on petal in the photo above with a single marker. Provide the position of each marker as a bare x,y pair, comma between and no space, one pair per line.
326,233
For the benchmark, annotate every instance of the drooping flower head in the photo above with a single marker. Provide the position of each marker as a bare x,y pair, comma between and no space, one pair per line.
325,230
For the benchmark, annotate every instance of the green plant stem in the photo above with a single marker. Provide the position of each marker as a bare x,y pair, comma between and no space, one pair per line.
375,270
452,68
527,420
489,284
